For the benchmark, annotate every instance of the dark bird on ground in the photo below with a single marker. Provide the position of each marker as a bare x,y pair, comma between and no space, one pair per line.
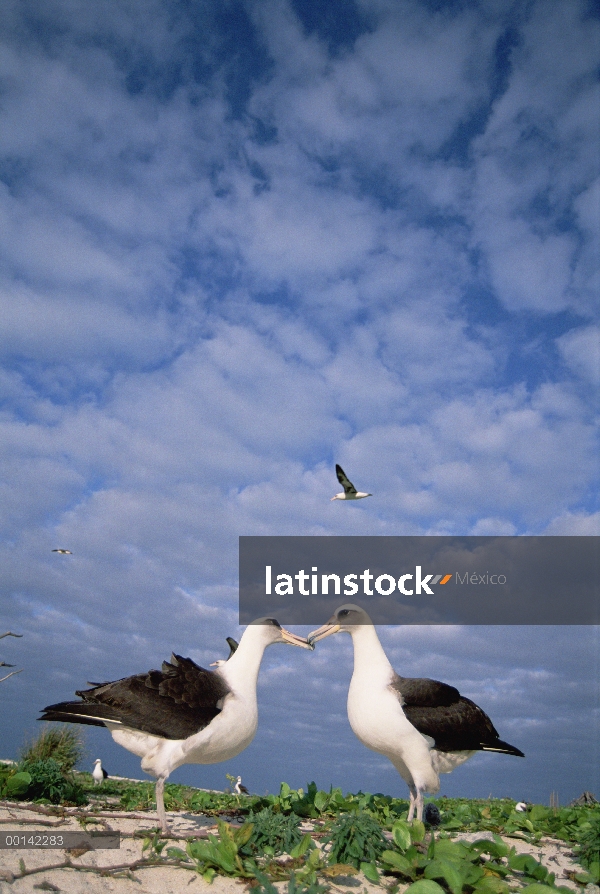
422,726
431,815
182,714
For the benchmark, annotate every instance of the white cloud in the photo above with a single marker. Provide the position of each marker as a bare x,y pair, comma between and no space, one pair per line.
580,349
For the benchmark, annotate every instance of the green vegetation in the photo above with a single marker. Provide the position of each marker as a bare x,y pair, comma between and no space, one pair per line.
350,832
64,744
273,833
356,839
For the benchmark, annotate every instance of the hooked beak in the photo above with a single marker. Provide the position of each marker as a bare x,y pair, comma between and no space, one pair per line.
294,640
327,629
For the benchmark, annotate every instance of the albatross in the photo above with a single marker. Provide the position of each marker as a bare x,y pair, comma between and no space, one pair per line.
422,726
99,774
350,492
182,714
239,788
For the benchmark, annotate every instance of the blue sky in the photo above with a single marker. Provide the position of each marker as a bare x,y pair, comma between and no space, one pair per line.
244,241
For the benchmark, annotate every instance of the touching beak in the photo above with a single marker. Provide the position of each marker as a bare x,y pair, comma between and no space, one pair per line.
326,630
294,640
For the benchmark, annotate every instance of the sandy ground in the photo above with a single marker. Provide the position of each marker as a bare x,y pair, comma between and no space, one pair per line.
555,855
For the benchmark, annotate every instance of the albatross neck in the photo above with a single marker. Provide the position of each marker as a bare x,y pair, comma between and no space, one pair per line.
243,666
369,657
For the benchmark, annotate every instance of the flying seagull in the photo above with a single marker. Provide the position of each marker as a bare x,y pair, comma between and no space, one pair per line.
63,552
350,492
182,714
422,726
239,788
232,643
99,773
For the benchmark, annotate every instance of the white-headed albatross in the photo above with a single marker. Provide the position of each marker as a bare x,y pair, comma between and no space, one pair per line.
350,492
99,774
182,714
422,726
239,788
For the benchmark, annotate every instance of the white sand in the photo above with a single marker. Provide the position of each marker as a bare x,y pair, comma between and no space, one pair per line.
555,855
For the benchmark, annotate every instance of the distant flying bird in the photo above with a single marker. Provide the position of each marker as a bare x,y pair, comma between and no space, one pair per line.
182,714
422,726
350,492
232,647
99,773
239,788
63,552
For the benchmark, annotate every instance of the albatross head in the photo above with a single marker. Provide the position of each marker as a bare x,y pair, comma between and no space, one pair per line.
345,619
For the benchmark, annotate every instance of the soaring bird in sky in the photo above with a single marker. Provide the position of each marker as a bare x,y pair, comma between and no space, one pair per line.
422,726
63,552
350,492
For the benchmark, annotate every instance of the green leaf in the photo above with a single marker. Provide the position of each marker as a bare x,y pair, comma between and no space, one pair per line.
523,863
539,812
17,785
175,853
369,870
455,851
302,847
491,885
446,871
397,861
425,886
401,834
496,848
537,888
417,831
242,835
321,799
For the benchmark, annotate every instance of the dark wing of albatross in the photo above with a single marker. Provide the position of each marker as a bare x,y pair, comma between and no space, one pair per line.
454,722
174,703
344,480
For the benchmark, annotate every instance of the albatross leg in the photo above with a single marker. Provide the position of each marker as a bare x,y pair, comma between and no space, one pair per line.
411,804
419,804
160,805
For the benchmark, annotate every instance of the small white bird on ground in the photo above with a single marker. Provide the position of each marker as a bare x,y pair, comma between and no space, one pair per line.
350,492
422,726
99,773
239,788
521,807
182,714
